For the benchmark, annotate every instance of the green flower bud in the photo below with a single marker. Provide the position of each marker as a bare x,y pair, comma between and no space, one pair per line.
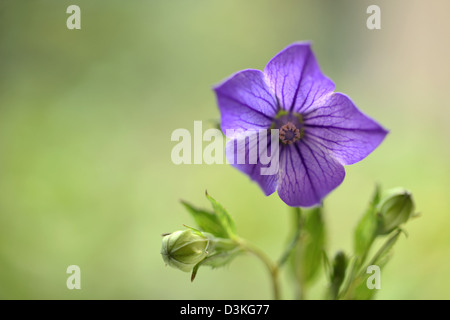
340,264
184,249
394,210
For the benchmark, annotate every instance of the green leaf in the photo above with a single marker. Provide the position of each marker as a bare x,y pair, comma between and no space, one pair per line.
207,221
221,259
365,231
216,260
218,222
308,256
223,217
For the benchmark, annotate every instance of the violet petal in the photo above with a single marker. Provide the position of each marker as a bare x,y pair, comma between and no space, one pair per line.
246,102
296,79
249,149
343,130
307,174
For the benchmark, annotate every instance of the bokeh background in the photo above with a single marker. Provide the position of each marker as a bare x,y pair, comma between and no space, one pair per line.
86,117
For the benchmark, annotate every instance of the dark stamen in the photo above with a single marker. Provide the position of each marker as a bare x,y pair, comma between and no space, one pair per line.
289,133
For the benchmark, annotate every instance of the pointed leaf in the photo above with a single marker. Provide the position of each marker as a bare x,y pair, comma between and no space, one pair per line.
223,217
207,221
308,256
365,231
216,260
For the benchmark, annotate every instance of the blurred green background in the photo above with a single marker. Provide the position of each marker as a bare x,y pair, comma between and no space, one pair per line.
86,117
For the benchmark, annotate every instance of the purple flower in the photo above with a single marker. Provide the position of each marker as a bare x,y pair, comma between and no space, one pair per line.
319,130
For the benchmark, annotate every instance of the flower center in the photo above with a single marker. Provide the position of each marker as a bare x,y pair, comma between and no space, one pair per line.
290,125
289,133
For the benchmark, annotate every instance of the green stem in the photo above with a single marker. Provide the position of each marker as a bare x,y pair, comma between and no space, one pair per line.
348,287
295,238
274,267
296,241
270,265
385,247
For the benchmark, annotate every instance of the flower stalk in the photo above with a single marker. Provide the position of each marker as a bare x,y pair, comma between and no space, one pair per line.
271,266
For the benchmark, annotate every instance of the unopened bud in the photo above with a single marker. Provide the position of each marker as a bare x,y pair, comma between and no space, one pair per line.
184,249
340,264
394,210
